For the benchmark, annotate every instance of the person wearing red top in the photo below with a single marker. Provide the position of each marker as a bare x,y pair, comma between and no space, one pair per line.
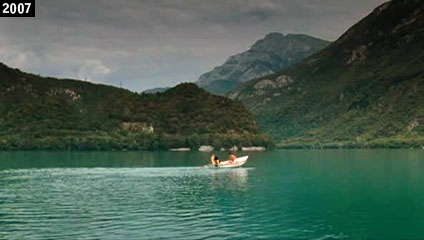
231,157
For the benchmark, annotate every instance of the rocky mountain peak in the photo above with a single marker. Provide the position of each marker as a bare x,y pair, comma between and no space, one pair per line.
339,95
270,41
275,52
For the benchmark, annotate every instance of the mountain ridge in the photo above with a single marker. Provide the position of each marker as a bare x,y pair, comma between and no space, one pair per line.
274,52
156,90
364,90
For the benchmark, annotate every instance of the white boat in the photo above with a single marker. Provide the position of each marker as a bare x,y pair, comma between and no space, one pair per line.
238,162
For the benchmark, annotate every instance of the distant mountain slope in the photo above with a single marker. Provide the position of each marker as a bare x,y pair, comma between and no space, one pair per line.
48,113
273,53
156,90
366,89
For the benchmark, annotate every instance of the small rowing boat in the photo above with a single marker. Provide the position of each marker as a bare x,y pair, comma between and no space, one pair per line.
238,162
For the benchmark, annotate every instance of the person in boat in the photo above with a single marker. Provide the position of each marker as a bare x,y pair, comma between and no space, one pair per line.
215,160
232,157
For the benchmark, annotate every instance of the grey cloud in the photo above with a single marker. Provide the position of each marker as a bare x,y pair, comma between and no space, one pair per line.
150,43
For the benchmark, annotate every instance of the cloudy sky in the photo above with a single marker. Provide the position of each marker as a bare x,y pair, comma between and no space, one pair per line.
157,43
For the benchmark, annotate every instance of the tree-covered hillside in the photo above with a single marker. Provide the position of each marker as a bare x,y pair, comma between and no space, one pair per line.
364,90
48,113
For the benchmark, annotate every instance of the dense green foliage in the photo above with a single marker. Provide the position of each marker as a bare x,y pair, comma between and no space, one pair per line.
364,90
47,113
124,140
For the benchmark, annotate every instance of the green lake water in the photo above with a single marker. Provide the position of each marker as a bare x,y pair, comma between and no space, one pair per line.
293,194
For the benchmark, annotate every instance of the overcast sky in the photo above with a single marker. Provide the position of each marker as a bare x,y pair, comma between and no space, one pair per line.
157,43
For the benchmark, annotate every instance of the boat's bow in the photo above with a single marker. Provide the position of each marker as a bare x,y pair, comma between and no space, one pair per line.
238,162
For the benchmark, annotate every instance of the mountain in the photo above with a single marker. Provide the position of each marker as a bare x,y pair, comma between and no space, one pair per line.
156,90
273,53
364,90
48,113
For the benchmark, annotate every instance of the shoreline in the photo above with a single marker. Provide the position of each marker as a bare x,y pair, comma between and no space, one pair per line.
379,143
217,151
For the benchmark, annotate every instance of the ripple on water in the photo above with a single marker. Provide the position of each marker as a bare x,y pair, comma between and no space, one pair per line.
299,194
107,202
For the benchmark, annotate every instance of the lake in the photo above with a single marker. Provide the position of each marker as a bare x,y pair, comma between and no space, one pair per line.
290,194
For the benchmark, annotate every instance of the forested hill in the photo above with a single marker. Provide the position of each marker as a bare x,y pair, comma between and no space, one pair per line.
366,89
48,113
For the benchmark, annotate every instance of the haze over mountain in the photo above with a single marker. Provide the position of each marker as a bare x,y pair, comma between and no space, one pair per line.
273,53
156,90
365,89
49,113
147,44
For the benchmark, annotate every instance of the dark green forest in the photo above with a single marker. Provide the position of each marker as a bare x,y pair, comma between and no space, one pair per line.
47,113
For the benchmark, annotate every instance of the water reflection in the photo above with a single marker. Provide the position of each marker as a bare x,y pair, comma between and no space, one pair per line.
71,159
300,194
230,178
